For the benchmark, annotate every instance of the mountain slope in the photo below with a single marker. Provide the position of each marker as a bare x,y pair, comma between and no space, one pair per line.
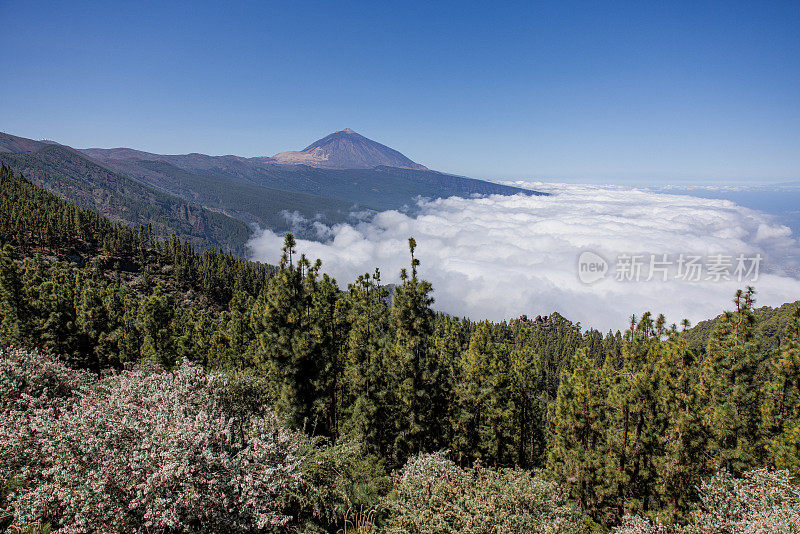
248,200
261,190
262,193
347,150
770,328
12,143
141,187
82,181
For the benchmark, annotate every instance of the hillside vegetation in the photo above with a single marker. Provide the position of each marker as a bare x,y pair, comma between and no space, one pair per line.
261,191
159,389
215,202
83,182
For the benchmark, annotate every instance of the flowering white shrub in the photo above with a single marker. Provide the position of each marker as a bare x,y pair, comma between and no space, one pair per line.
634,524
138,451
30,381
433,495
33,389
761,502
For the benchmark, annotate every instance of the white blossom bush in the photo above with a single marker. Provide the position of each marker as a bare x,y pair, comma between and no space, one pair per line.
634,524
434,495
33,388
138,451
30,381
760,502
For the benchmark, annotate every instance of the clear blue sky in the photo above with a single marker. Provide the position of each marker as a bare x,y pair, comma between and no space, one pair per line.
658,92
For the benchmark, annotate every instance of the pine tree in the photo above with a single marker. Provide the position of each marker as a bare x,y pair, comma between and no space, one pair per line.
297,341
239,332
112,346
55,295
329,329
279,318
781,408
529,398
92,320
412,323
154,322
484,423
450,339
500,400
634,421
731,388
682,463
577,437
12,303
364,400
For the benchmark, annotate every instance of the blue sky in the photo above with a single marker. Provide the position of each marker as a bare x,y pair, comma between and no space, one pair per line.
659,92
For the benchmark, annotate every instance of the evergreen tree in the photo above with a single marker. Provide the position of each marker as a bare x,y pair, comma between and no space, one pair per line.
364,398
239,332
297,341
58,332
329,329
413,366
682,463
529,398
634,421
154,322
93,322
485,421
279,318
500,399
12,302
732,393
450,339
781,408
577,437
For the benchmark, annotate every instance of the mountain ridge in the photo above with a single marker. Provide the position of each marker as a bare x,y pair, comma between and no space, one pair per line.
359,172
259,191
87,183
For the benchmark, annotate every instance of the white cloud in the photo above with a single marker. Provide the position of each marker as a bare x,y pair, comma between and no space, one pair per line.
500,257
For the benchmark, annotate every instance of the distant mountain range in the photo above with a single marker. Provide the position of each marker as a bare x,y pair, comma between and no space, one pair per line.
87,183
216,197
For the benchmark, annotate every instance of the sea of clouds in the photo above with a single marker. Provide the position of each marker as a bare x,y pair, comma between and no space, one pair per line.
499,257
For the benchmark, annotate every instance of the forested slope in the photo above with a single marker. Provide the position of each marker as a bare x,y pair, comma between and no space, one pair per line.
619,424
770,328
259,191
78,179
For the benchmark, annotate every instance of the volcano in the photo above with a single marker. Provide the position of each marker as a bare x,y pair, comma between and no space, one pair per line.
347,149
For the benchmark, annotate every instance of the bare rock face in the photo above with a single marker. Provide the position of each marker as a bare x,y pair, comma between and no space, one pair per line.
347,150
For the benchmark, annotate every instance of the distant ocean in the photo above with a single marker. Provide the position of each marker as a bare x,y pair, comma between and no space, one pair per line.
781,202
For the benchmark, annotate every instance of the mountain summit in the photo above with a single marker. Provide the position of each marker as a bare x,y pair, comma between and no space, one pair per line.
347,150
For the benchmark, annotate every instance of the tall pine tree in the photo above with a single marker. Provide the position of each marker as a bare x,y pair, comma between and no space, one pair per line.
682,462
781,408
297,341
731,388
364,398
412,321
634,421
577,437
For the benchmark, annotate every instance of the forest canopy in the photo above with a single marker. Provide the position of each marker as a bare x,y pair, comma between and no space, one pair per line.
268,398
